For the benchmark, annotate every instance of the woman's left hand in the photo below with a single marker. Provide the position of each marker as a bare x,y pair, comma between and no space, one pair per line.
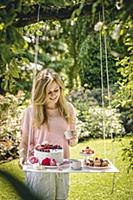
73,141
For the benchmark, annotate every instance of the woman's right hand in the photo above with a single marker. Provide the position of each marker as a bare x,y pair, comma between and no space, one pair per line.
21,162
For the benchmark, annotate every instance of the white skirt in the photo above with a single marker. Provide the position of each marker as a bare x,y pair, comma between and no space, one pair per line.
48,186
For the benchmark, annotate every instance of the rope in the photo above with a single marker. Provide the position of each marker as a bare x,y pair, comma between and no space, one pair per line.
106,56
36,56
107,75
34,75
102,90
108,88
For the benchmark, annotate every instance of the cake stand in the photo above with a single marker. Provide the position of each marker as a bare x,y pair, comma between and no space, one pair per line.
86,155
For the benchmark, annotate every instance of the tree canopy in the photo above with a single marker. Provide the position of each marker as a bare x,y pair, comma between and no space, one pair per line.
67,39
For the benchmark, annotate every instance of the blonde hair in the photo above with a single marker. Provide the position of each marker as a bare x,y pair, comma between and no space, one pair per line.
43,78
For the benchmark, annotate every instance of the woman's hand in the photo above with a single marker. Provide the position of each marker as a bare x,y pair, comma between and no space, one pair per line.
73,141
21,162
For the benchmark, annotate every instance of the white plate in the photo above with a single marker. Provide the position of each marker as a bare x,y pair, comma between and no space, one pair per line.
41,167
94,167
56,167
49,167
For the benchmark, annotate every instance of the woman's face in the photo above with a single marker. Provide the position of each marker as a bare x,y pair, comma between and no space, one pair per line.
52,94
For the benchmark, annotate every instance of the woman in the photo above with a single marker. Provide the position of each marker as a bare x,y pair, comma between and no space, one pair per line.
47,120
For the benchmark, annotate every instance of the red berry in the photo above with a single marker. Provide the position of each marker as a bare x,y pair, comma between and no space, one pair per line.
53,162
33,160
38,148
46,161
46,150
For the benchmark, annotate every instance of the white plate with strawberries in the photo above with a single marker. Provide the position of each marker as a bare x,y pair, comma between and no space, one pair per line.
48,163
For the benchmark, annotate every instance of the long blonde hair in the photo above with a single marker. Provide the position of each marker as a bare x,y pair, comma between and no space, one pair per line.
43,78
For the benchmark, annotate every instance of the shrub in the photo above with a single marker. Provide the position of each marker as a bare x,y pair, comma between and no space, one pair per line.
90,123
10,118
90,116
128,154
10,112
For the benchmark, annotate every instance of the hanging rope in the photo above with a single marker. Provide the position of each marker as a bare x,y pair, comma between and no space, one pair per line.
36,56
106,56
34,75
102,89
107,75
108,89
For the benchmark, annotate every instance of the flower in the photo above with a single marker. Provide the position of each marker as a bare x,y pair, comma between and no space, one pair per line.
98,26
116,32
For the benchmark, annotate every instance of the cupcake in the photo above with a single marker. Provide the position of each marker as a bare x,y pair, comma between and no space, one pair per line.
105,163
97,162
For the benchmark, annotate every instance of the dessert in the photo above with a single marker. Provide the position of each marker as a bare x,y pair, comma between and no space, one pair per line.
96,162
44,152
49,162
87,150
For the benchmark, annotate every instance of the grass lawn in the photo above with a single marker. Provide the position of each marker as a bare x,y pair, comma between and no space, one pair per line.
86,186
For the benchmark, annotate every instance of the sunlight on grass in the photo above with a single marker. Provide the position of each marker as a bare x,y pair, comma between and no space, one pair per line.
85,186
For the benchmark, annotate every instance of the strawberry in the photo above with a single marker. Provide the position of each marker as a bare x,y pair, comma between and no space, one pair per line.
47,150
38,147
42,148
46,161
33,160
53,162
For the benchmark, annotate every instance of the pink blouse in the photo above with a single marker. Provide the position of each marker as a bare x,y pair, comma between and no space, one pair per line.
55,134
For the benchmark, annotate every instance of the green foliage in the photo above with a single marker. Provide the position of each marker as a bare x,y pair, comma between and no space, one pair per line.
89,62
94,122
92,118
123,99
9,147
53,2
128,154
11,113
74,33
11,109
70,43
12,45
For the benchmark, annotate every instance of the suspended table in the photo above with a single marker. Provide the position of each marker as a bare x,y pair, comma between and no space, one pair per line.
110,169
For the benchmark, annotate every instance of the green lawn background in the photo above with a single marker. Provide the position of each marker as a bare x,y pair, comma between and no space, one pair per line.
86,186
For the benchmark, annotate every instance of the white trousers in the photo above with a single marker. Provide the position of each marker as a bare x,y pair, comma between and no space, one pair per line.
48,186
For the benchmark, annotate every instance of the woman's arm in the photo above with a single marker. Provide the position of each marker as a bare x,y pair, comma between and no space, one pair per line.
74,140
24,136
23,149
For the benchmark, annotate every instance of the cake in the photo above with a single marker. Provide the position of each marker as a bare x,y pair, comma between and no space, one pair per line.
87,150
48,154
